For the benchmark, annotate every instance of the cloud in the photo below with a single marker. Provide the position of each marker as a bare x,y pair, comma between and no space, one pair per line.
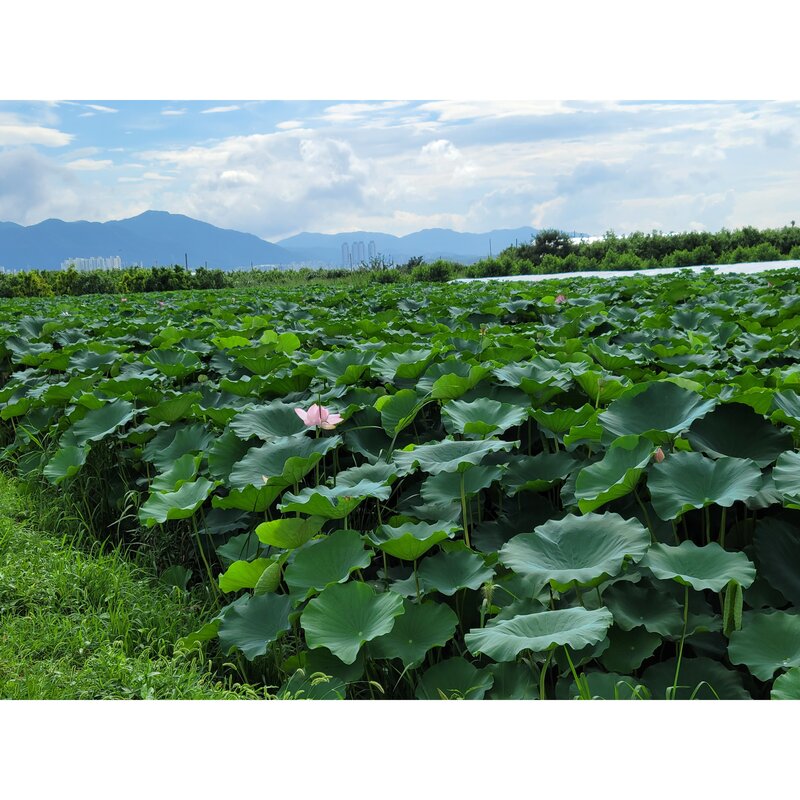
15,134
173,112
102,109
220,109
440,149
289,124
350,112
89,164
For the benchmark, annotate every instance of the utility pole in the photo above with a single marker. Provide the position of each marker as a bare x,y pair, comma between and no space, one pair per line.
186,260
490,248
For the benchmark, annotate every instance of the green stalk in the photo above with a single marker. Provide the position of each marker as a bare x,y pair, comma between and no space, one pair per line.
722,529
464,512
646,515
543,674
683,639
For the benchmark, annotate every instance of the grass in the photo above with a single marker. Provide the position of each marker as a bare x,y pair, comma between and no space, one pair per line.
79,622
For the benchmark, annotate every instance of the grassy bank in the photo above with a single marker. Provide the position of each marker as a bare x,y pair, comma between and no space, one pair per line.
80,623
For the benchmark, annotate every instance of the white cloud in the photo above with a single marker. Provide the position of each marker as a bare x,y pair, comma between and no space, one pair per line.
438,150
451,111
89,164
289,124
350,112
22,134
220,109
102,109
173,112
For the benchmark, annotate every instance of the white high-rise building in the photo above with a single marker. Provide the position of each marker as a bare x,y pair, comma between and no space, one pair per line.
359,252
92,263
347,260
372,251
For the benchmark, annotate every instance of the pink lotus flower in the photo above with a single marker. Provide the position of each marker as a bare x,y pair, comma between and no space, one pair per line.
560,298
318,417
658,456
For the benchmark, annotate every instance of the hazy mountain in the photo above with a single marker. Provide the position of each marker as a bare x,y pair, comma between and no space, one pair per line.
430,243
154,237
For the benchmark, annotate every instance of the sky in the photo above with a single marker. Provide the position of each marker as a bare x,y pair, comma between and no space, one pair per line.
276,168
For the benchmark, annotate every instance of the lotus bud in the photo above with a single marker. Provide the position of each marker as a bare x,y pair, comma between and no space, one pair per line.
658,456
560,298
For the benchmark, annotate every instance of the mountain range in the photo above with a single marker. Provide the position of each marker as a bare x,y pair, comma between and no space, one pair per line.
158,237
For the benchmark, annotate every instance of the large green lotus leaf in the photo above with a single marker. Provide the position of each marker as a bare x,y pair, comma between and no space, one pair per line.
253,624
328,560
447,572
243,547
562,420
786,475
169,445
251,498
576,550
226,451
726,683
787,686
573,627
345,616
451,386
602,387
512,681
281,462
173,406
537,473
707,567
99,423
777,547
344,368
173,363
289,532
447,455
271,421
353,486
243,574
454,679
398,410
65,463
481,417
163,506
766,643
736,430
184,469
411,540
269,580
421,627
660,411
321,501
615,476
627,649
684,481
642,604
445,487
786,405
408,364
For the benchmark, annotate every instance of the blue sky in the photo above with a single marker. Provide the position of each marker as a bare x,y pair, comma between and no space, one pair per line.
277,168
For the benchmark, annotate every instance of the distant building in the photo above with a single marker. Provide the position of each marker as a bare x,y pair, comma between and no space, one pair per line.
93,263
372,251
347,260
359,252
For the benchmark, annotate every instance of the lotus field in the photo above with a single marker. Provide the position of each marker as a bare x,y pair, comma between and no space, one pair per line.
588,489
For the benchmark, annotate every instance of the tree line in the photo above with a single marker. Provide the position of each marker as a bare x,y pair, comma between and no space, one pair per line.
550,251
